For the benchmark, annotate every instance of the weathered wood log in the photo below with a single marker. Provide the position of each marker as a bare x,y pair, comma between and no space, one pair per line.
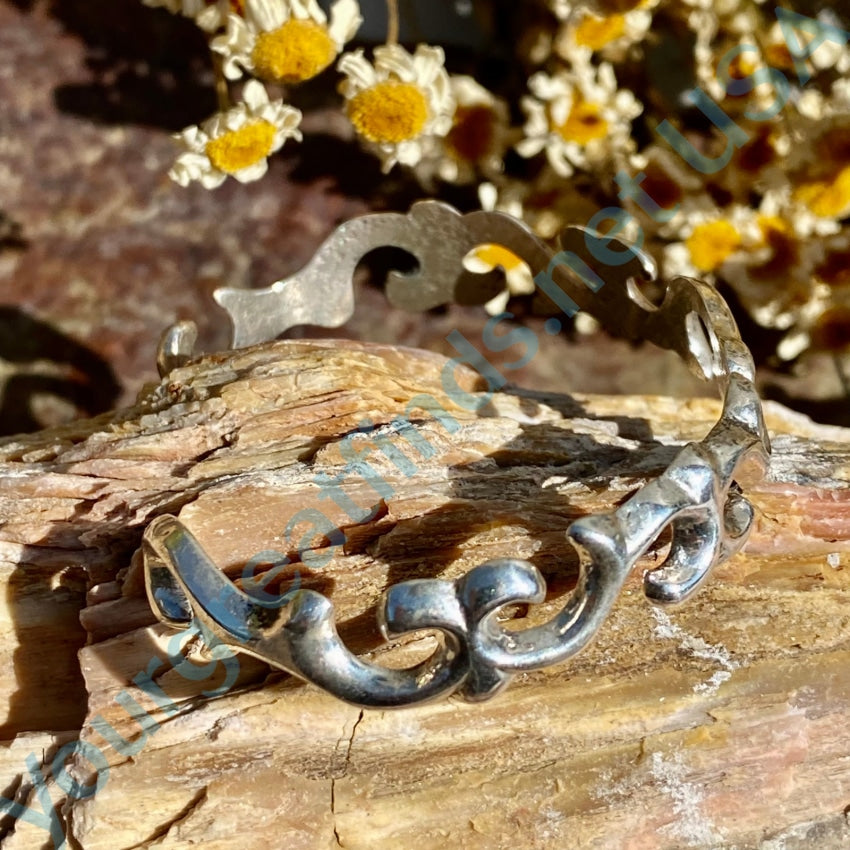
721,724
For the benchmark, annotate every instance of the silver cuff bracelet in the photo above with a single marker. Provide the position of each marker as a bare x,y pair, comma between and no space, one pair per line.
697,496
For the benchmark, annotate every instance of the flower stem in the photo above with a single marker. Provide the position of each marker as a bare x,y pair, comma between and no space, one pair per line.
392,22
222,92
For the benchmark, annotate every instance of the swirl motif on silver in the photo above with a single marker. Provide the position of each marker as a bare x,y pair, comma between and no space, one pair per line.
697,496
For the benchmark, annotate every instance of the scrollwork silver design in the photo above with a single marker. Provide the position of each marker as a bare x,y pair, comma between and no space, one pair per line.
697,497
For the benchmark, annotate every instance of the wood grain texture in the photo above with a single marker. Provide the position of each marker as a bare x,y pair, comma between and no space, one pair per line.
717,725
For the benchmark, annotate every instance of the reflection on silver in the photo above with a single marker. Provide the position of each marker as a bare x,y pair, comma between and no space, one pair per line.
698,496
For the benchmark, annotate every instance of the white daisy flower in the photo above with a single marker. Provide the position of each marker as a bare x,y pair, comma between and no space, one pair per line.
709,239
720,20
782,202
773,277
476,143
580,118
610,35
285,41
209,15
767,255
755,51
828,199
399,102
744,63
819,166
772,257
237,142
485,258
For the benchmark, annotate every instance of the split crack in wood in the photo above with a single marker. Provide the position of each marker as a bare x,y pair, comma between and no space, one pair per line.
342,775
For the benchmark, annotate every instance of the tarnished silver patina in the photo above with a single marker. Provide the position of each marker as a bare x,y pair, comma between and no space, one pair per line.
698,496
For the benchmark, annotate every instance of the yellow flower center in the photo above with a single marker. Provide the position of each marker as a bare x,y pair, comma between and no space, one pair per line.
771,224
389,112
712,243
584,124
595,33
238,149
827,198
779,56
294,52
741,67
496,255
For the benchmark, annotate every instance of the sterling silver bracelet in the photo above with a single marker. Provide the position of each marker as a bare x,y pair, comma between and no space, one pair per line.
698,496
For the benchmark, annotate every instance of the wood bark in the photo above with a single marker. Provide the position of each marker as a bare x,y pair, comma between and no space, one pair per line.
719,724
